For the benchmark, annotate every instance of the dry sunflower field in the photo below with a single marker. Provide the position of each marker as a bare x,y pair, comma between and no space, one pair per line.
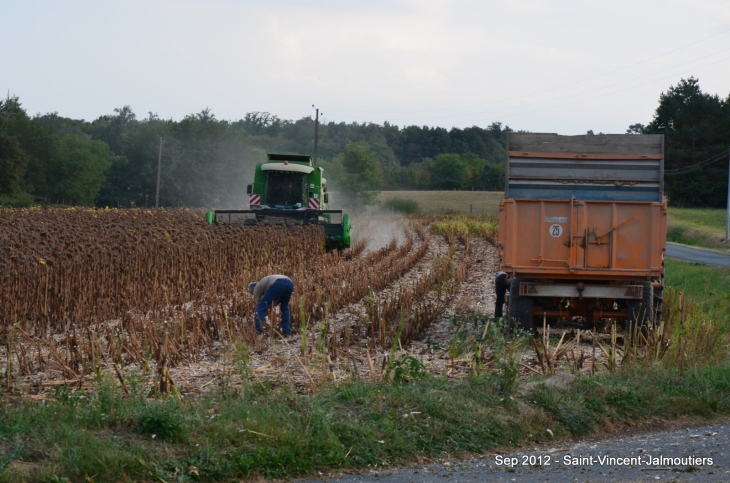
163,293
159,296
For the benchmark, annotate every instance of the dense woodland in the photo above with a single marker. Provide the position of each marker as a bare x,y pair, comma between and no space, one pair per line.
112,160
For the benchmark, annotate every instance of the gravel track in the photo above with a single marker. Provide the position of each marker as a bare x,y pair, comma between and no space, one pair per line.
701,443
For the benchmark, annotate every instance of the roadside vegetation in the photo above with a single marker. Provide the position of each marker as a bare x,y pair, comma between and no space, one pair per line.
257,429
708,286
700,227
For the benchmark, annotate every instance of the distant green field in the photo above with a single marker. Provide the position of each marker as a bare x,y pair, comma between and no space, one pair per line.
477,202
701,227
709,218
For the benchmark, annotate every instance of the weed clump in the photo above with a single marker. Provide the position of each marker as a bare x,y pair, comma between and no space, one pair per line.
161,420
490,342
406,369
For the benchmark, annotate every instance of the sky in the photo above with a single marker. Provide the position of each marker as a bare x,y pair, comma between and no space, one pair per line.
542,66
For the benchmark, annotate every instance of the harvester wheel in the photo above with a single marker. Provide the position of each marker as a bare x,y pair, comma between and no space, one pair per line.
519,309
346,230
641,311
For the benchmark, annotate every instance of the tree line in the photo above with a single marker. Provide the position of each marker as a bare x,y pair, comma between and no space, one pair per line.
112,160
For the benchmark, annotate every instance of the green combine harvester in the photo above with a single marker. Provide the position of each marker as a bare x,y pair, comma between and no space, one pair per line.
289,190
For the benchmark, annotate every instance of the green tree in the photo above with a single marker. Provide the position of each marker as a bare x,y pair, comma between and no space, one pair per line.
38,142
695,128
448,172
13,162
205,162
78,169
357,175
492,177
474,168
415,176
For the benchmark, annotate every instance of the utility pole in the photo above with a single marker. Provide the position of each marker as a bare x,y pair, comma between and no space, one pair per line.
159,173
316,134
727,213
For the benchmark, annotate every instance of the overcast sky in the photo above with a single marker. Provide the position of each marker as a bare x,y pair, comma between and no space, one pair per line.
543,66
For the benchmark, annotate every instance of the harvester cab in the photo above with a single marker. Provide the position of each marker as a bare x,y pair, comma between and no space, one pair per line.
289,190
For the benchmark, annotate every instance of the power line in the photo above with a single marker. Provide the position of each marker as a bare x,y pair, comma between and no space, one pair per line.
695,166
687,169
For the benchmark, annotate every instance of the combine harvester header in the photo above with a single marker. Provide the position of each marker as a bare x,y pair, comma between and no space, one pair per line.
289,190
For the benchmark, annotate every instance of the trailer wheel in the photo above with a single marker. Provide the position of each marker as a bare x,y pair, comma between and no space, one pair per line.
641,312
519,309
500,289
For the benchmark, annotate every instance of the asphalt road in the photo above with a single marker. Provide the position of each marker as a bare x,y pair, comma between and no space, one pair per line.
689,254
690,455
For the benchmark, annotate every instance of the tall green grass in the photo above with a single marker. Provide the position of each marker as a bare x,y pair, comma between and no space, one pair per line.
695,320
708,286
686,337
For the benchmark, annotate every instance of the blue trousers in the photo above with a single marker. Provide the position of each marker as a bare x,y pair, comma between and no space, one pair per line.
280,291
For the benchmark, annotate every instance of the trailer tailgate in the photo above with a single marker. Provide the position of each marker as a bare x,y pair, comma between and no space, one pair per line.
582,239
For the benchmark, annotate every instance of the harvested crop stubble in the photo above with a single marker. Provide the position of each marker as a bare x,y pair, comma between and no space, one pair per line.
82,287
408,309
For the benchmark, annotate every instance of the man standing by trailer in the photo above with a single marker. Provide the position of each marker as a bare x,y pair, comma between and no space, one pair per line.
268,292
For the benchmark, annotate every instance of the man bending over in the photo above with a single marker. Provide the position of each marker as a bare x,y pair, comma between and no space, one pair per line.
268,292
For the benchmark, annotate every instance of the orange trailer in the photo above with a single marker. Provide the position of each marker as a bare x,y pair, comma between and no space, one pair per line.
582,228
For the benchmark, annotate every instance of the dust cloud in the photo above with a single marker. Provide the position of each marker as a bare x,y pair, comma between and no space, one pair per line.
379,229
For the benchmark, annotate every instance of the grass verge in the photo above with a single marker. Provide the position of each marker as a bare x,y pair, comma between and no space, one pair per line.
701,227
273,432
